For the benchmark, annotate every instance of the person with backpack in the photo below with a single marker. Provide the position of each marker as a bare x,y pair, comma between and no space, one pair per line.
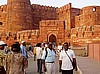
48,59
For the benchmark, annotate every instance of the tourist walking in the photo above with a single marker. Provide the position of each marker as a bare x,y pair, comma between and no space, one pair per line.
59,49
38,57
66,58
48,59
16,62
2,57
23,49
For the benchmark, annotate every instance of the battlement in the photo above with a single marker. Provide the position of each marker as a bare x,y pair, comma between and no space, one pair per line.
51,23
19,1
26,35
42,7
65,7
21,19
90,9
88,16
33,32
83,32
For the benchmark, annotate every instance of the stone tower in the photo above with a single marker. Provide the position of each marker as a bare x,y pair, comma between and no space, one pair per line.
19,15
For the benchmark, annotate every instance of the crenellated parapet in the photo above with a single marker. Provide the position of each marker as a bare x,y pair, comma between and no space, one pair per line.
64,8
85,34
18,1
64,11
41,12
26,35
90,9
55,27
21,20
52,23
68,13
89,16
43,7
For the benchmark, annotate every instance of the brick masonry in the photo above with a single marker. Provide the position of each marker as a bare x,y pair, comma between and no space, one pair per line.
34,23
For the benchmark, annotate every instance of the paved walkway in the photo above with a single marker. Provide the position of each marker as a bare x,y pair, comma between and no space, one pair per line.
88,65
32,67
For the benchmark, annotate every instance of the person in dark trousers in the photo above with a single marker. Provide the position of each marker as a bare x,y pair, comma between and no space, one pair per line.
66,58
38,57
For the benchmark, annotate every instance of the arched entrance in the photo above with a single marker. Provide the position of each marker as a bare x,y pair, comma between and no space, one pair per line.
52,38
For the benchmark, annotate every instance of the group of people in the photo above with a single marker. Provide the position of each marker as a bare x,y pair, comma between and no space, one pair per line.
16,62
46,54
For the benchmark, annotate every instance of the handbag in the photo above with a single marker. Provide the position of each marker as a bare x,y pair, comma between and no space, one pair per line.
73,63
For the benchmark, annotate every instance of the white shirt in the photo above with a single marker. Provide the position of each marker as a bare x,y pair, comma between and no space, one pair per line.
38,52
66,63
59,47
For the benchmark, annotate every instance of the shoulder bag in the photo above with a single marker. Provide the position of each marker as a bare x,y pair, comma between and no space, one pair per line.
73,63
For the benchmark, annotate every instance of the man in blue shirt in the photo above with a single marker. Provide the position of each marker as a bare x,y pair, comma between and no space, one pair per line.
48,58
23,49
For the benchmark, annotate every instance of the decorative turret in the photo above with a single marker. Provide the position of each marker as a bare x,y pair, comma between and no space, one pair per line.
19,15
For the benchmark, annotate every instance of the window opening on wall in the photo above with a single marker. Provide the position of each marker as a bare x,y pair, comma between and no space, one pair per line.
94,9
1,23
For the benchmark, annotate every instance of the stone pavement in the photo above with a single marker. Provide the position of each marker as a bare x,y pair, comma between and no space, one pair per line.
32,67
88,66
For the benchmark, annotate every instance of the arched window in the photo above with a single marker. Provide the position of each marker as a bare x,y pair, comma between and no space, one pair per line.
94,9
1,23
52,38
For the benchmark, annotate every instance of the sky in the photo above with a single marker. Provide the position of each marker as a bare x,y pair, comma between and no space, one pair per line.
60,3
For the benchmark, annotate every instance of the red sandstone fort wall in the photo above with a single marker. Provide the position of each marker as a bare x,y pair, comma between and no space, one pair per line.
19,15
94,51
64,13
86,34
89,16
48,27
3,15
41,12
67,13
74,12
79,24
31,36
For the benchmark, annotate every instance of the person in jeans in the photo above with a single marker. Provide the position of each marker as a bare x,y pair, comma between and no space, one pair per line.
65,64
